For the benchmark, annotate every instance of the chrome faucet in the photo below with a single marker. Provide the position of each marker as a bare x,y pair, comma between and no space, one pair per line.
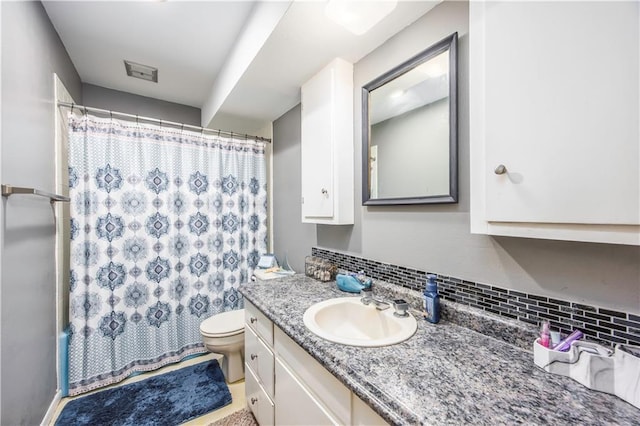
380,303
368,298
400,305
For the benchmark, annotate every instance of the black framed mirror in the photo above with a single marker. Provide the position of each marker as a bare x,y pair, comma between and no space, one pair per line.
409,130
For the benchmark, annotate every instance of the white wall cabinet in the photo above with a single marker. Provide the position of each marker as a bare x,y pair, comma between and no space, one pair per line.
327,146
284,385
555,98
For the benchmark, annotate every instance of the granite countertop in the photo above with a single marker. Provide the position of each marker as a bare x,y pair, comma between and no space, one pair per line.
446,373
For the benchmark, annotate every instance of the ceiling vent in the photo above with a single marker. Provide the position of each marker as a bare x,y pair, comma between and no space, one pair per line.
144,72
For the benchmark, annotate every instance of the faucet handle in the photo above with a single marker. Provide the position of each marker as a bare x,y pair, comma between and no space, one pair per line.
401,306
367,295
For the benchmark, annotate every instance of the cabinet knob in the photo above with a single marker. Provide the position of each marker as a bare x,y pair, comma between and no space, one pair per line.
500,170
324,191
253,401
253,356
253,319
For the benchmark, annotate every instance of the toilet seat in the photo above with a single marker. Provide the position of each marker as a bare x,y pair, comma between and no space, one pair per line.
223,325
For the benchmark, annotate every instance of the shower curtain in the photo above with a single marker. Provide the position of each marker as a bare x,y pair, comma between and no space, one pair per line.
165,225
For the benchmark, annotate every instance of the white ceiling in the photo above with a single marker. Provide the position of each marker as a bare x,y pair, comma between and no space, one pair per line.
186,41
191,43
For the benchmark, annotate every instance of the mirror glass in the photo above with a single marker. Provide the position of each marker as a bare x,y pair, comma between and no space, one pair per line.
409,130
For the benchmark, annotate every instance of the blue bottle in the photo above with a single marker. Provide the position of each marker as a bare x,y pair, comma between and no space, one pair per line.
431,300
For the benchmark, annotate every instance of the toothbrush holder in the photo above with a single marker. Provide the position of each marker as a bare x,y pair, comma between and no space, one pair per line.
596,367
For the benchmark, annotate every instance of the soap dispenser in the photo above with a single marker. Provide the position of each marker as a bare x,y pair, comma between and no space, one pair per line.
431,300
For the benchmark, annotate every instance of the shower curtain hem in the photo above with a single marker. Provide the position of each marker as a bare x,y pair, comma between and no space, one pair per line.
97,382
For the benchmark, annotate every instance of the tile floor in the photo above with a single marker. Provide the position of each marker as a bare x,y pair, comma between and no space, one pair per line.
237,393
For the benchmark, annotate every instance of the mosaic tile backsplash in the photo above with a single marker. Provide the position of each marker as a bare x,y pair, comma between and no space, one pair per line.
603,325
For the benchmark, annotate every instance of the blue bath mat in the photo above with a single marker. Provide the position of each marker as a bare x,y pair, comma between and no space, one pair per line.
168,399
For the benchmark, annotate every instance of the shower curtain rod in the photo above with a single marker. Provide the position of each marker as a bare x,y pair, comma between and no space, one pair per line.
162,122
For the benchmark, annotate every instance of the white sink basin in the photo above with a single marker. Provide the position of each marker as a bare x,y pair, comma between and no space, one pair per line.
348,321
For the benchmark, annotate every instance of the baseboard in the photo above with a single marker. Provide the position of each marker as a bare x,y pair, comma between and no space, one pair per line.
48,417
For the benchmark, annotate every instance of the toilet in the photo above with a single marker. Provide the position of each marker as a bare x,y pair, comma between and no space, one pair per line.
224,334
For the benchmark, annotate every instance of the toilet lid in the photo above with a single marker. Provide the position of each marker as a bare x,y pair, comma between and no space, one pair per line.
224,324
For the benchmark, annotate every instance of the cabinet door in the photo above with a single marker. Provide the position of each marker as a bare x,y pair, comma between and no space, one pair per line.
317,145
559,100
326,387
295,405
258,401
362,414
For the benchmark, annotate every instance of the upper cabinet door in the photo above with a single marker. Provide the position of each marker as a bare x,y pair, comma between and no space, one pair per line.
316,148
327,145
555,113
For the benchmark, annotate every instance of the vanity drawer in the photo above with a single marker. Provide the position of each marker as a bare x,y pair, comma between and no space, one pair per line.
258,322
259,358
258,401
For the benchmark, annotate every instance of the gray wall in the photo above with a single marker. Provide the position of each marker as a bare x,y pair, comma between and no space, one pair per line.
114,100
437,238
31,53
291,237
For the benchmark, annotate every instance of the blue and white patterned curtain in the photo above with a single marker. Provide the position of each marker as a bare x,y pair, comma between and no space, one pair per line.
165,225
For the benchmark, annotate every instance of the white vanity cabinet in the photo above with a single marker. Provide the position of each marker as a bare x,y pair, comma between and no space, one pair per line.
259,364
285,385
555,99
327,146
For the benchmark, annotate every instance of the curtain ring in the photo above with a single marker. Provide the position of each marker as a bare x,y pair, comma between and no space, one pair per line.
111,115
72,106
137,121
182,128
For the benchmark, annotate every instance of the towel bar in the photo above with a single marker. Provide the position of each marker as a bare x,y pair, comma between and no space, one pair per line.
8,190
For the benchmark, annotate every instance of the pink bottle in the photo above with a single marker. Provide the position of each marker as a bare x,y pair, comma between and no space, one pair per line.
545,336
